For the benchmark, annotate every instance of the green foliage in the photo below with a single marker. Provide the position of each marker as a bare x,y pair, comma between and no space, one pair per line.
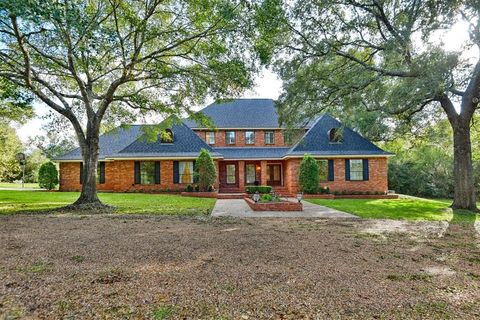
48,176
308,177
34,160
259,189
205,172
10,145
15,102
189,188
266,197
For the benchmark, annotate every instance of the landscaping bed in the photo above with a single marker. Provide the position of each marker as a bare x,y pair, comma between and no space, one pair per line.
274,205
198,194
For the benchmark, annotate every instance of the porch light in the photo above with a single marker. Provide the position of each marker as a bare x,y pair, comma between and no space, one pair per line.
300,196
256,197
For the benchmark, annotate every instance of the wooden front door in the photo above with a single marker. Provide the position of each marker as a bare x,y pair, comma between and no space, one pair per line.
228,175
274,174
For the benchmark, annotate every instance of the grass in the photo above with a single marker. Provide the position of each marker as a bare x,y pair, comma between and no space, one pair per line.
405,208
19,185
12,201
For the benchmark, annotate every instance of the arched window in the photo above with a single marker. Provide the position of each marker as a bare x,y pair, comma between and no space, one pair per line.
335,135
166,136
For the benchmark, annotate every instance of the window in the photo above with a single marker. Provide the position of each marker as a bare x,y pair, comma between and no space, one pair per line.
166,136
230,137
147,172
250,173
335,135
269,137
356,169
210,137
185,169
249,137
231,173
287,137
323,169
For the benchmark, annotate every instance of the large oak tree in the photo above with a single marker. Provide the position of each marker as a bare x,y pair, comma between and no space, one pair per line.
88,60
382,55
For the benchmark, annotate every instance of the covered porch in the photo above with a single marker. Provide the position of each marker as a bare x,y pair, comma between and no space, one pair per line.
235,175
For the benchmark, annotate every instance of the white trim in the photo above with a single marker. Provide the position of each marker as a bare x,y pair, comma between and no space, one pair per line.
347,156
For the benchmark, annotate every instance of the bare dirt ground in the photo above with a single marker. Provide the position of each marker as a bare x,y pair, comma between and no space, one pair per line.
109,267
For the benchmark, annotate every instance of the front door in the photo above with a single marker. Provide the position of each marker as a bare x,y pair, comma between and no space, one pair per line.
274,174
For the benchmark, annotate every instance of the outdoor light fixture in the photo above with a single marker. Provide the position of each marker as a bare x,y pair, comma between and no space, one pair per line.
256,197
300,196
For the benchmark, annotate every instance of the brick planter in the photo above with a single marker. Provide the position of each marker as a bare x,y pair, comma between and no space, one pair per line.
198,194
274,206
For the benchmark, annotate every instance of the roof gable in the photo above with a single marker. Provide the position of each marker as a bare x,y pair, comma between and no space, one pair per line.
316,141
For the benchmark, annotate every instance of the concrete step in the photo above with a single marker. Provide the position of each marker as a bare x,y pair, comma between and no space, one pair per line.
237,195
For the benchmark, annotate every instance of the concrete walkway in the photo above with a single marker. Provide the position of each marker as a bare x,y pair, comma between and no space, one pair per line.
239,208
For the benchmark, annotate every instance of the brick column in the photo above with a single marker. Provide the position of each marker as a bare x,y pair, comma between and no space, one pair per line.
263,166
241,174
216,185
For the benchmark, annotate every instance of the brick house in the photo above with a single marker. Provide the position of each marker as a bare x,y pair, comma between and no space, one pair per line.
248,145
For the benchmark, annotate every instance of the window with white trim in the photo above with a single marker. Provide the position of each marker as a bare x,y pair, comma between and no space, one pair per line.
210,137
323,170
249,137
356,169
185,170
269,137
230,137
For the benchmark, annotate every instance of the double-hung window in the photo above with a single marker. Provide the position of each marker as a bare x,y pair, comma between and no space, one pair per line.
147,172
230,137
210,137
249,137
356,169
269,137
185,170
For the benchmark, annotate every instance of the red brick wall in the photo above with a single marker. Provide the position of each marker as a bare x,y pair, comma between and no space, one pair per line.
240,138
378,180
119,176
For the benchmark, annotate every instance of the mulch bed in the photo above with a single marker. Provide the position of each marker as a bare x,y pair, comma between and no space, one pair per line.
71,266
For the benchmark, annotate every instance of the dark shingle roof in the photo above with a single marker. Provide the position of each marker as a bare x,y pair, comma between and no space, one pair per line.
185,143
131,142
252,152
316,141
241,113
110,142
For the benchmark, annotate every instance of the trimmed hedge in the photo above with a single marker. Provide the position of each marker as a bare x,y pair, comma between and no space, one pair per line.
260,189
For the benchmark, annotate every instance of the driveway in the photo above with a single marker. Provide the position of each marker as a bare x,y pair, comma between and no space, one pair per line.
239,208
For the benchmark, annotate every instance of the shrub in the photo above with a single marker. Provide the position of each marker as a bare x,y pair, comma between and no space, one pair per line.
309,178
48,176
325,190
266,197
260,189
204,172
189,188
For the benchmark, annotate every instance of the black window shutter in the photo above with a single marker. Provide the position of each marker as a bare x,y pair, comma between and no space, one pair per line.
102,172
347,169
195,176
137,172
176,174
157,172
365,169
331,173
81,172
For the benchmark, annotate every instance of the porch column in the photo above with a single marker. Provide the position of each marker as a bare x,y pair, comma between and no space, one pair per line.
241,175
263,168
216,185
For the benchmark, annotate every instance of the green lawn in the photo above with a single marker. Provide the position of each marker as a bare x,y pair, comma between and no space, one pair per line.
19,185
35,201
405,208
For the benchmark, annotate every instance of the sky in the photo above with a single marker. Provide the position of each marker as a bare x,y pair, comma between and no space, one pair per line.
267,84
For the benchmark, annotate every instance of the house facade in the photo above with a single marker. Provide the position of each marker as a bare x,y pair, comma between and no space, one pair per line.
248,145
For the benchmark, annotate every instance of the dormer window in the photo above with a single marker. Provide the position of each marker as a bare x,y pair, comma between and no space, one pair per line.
335,135
166,136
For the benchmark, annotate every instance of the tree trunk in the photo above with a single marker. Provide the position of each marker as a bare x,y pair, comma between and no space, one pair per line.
90,152
464,194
